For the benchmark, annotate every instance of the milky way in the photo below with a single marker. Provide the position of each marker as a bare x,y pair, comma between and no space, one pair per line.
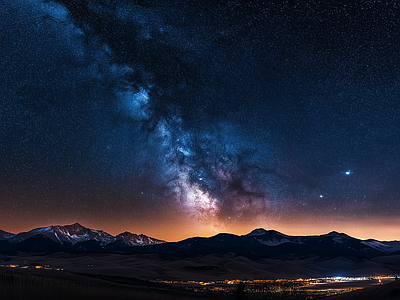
262,113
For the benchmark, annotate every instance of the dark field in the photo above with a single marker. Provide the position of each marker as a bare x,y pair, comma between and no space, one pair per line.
31,284
211,267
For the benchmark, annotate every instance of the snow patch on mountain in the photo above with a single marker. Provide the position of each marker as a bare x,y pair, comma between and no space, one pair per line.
258,231
262,231
338,240
76,233
395,245
132,239
273,242
4,235
382,246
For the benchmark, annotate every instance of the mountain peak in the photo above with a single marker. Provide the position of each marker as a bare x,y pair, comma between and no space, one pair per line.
127,234
262,231
135,239
258,231
334,233
337,234
73,229
75,225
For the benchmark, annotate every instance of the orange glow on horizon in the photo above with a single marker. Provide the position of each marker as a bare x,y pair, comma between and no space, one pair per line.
178,229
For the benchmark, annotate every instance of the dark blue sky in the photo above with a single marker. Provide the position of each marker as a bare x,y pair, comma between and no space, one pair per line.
178,118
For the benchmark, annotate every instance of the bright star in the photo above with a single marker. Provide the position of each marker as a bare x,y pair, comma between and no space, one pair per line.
347,173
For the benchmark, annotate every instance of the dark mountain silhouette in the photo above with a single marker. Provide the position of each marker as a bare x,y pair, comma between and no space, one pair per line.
38,243
4,245
5,235
259,243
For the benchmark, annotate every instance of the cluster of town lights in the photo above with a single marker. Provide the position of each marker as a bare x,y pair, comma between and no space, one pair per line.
310,285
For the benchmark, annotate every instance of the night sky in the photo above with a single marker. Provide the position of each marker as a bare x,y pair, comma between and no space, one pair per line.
189,118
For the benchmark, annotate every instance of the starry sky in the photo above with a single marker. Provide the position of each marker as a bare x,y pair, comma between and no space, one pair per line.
188,118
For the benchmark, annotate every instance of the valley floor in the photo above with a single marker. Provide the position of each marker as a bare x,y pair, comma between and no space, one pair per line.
42,282
208,267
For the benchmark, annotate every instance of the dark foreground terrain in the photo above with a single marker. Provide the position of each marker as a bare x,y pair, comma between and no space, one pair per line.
32,284
153,266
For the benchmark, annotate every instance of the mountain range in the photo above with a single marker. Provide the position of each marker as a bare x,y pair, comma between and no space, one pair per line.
68,238
259,243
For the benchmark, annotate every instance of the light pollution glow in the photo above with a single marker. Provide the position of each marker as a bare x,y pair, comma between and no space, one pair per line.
180,227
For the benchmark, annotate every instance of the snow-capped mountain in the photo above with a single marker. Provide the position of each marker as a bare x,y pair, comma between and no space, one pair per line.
259,243
5,235
76,233
337,235
269,237
392,246
132,239
332,242
258,231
